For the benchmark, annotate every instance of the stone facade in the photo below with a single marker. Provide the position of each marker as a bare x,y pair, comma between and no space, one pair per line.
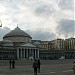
70,44
18,39
17,44
58,48
58,44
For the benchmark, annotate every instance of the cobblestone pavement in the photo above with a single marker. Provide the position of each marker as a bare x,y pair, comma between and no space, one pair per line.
47,68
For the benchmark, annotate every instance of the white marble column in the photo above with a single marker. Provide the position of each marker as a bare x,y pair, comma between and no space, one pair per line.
17,53
35,53
21,53
24,53
38,53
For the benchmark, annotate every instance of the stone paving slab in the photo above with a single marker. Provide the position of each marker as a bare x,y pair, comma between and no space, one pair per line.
47,68
21,70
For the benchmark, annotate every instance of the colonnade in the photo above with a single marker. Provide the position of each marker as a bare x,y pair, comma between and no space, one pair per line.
26,53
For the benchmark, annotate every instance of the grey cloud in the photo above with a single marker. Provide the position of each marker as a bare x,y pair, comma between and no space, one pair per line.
44,10
67,4
10,5
3,31
66,27
38,7
41,35
36,35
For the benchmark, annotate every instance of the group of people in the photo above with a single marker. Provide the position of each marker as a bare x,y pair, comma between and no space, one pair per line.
12,63
36,66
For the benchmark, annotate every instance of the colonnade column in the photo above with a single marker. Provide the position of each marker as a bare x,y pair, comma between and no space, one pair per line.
38,53
17,53
35,53
21,53
27,53
24,53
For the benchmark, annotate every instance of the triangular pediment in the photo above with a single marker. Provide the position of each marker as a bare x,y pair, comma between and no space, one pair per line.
28,45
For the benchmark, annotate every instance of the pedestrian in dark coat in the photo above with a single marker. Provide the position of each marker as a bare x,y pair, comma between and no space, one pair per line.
10,62
13,64
35,66
38,65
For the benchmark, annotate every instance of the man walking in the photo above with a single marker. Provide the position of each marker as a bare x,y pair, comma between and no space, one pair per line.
35,66
13,64
38,65
10,62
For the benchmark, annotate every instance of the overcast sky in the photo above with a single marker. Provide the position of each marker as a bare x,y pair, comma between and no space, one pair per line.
42,19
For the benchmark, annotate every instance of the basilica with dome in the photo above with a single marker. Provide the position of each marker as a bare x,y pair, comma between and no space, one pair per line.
18,45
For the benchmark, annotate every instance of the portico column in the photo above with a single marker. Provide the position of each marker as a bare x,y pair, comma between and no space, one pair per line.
38,53
35,53
17,53
24,53
27,53
21,53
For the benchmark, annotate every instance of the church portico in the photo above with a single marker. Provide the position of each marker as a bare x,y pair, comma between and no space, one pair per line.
27,52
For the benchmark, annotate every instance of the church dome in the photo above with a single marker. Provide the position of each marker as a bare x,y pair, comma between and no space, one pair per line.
17,32
17,35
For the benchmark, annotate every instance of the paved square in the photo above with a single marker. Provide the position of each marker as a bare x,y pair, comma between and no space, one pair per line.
48,67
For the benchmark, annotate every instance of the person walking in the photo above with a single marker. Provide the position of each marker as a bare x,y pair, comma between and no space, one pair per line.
74,67
38,65
35,66
13,64
10,62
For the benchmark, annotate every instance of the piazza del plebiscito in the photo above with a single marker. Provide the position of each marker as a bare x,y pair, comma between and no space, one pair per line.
18,45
